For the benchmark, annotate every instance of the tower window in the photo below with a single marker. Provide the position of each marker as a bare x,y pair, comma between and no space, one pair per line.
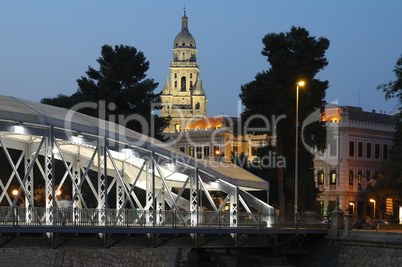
191,83
175,83
183,84
197,106
175,75
183,44
191,75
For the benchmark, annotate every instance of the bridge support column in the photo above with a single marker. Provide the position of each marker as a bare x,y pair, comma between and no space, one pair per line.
49,178
102,181
28,183
194,198
234,207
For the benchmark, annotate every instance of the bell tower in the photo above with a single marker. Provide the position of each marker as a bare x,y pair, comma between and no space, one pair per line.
183,98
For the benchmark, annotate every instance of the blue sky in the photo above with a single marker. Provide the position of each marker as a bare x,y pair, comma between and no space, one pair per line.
47,44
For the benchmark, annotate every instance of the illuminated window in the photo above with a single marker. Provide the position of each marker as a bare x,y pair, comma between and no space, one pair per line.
191,151
332,177
359,176
320,177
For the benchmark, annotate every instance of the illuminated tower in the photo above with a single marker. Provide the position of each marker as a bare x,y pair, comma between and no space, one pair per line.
183,98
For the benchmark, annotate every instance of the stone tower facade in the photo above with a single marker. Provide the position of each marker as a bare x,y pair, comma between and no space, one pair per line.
183,98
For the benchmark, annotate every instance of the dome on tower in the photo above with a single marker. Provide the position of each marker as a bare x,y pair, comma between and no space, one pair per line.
184,39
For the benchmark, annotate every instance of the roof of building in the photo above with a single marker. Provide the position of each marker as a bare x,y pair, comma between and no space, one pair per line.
184,39
357,114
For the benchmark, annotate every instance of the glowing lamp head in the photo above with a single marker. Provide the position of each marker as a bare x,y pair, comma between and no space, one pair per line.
300,83
15,192
58,192
372,200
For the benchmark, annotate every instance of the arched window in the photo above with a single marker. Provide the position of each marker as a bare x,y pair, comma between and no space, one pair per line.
351,177
191,75
175,75
191,84
183,83
197,106
320,177
175,83
332,177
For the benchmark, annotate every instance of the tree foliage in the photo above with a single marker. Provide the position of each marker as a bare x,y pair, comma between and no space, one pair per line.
394,88
389,184
293,56
121,82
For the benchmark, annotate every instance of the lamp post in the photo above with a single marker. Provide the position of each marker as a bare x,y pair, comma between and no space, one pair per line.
300,83
373,201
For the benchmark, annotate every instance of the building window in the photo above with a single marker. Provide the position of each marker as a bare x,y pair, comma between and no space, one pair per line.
191,75
175,83
385,152
175,75
368,150
183,149
199,152
351,177
191,151
191,84
206,151
217,152
351,148
359,176
320,177
360,149
183,84
332,177
377,151
166,105
197,106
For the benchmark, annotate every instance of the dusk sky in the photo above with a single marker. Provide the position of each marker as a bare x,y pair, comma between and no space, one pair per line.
46,45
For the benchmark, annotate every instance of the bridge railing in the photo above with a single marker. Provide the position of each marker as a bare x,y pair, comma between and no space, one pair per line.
70,217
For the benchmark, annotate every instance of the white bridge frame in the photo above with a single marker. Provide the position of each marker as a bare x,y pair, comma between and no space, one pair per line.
123,160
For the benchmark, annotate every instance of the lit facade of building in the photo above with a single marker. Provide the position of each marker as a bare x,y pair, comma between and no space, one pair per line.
357,142
214,138
183,98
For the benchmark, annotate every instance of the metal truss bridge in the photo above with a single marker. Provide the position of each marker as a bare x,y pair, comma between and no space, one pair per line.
74,179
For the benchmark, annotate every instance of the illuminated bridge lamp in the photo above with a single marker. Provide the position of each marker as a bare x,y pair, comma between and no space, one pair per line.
15,192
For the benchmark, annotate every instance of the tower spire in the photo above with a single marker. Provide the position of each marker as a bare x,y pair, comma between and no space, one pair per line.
184,21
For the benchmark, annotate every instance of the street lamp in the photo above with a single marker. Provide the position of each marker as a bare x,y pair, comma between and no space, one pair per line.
300,83
15,192
373,201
